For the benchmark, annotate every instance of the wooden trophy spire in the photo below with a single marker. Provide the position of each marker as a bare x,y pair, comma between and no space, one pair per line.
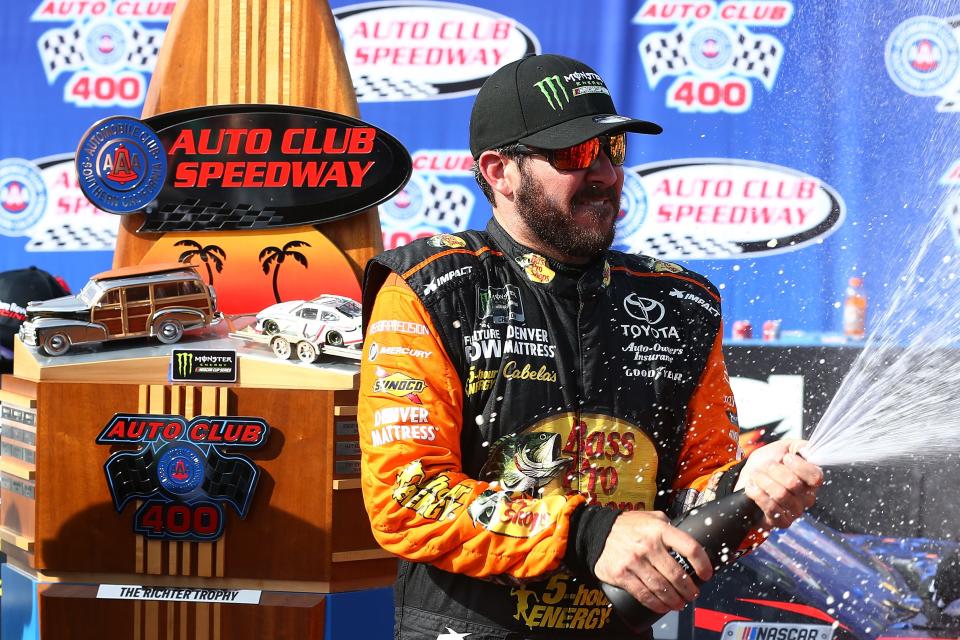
284,52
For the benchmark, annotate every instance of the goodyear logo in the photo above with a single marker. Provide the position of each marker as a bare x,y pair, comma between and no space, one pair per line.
399,385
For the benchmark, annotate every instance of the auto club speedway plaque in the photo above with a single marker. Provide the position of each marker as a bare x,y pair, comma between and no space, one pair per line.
235,177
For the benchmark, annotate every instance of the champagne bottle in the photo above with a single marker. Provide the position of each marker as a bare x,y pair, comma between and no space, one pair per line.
719,526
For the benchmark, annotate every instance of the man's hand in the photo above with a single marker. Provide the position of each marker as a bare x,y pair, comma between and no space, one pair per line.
782,483
636,558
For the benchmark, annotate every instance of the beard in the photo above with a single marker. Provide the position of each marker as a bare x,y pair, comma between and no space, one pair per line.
554,225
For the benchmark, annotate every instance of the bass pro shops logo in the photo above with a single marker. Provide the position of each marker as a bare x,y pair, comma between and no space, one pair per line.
712,53
180,472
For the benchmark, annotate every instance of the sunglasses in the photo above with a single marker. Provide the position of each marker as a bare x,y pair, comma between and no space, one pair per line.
581,156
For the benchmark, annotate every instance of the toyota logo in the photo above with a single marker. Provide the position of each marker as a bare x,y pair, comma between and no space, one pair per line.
646,309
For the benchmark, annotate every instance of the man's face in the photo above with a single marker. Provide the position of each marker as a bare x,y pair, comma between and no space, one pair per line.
573,212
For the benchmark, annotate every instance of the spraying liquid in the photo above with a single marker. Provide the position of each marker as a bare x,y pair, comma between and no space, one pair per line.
900,401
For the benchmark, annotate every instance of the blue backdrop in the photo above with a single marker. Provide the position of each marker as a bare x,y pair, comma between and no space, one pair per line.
804,142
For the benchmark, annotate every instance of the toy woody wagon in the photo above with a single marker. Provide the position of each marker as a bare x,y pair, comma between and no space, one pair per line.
160,300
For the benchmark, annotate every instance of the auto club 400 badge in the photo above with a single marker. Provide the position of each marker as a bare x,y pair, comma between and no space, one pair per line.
180,471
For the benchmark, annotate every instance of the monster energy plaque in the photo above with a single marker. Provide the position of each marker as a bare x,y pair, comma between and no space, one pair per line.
203,365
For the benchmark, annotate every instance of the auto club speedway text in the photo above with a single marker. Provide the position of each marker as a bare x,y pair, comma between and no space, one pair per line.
274,173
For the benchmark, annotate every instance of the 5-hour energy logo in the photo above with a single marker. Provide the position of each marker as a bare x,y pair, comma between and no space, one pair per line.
712,53
180,472
105,51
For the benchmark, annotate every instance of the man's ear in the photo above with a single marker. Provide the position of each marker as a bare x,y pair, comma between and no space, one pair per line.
499,172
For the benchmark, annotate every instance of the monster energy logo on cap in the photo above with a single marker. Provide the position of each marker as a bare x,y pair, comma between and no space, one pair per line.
196,365
553,83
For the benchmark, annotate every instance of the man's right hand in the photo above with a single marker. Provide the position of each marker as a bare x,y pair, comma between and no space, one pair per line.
636,558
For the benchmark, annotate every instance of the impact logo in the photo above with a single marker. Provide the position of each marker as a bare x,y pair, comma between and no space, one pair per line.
723,208
23,196
711,52
426,50
106,51
923,59
428,204
180,472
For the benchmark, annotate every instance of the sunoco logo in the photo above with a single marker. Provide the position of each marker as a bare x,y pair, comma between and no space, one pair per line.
724,208
427,50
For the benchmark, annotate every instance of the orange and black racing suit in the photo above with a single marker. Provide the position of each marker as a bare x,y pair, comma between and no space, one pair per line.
511,407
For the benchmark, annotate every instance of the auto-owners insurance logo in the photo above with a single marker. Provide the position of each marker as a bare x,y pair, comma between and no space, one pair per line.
724,208
426,50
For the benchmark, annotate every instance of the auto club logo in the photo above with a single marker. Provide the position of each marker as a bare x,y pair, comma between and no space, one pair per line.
429,204
180,472
922,56
424,50
710,208
121,164
711,53
23,196
197,170
105,53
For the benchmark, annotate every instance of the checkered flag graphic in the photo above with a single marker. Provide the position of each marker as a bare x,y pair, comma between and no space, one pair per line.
449,206
68,237
383,89
669,246
758,56
144,47
60,50
662,55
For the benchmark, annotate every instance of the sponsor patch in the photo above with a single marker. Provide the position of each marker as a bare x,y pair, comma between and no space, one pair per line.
776,631
447,240
376,350
436,497
398,326
646,309
449,276
536,267
400,385
500,305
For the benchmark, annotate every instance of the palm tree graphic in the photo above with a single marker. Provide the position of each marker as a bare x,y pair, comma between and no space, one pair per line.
275,256
210,253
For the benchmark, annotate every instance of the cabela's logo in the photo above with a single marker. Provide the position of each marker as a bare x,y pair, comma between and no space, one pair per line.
234,167
419,50
180,473
711,51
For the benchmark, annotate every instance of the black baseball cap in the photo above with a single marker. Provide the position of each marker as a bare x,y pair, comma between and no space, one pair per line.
546,101
18,288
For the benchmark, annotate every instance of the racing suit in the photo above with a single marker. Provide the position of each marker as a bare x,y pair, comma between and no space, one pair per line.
511,407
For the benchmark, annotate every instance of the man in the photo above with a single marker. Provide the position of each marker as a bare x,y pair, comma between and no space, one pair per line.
532,402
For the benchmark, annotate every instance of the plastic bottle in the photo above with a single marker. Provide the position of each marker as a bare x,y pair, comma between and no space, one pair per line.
855,310
719,526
